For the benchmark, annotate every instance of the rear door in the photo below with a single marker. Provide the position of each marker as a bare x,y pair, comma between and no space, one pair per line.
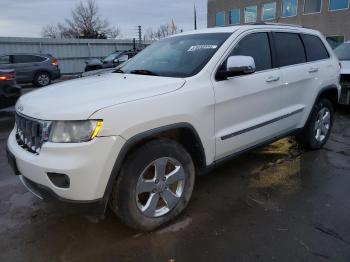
301,78
297,80
248,107
26,66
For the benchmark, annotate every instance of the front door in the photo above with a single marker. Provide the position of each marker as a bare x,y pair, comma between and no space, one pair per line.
248,107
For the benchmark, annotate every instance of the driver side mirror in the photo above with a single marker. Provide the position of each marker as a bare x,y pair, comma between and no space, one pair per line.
236,66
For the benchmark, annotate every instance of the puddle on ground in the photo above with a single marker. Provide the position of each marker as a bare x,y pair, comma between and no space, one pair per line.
279,176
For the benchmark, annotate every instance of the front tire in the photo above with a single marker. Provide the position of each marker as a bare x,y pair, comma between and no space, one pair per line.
318,128
154,186
42,79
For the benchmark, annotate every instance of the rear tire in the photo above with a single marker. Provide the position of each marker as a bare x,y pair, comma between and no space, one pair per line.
154,186
42,79
318,128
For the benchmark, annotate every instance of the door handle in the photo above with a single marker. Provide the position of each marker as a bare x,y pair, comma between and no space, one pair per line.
313,70
272,79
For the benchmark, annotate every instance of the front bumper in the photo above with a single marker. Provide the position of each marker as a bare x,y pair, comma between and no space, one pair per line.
88,166
96,207
56,74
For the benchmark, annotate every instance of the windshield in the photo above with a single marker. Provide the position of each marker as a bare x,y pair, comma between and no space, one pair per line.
343,51
179,56
111,57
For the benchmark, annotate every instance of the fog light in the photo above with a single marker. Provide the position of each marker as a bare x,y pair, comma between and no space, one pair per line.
59,180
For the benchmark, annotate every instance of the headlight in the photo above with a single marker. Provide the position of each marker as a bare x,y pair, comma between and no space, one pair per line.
74,131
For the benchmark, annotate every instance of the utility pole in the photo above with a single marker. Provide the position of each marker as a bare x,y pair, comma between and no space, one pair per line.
140,36
195,17
134,44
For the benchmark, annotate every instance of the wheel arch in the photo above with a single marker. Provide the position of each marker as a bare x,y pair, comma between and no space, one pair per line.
41,71
183,133
330,92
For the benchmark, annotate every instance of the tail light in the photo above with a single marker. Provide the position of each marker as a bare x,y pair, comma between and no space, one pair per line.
54,61
8,76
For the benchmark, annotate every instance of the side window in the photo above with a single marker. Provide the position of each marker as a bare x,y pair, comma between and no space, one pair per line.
38,58
257,46
27,59
20,59
123,58
315,49
5,60
220,19
289,49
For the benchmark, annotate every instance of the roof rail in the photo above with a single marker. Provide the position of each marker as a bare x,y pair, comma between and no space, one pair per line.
278,24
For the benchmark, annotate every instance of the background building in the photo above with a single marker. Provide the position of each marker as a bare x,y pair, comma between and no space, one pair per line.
331,17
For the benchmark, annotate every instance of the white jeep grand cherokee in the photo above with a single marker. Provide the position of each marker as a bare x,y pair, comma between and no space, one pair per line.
136,138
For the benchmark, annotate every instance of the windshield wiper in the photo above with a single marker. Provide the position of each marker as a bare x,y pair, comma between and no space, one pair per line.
119,71
143,72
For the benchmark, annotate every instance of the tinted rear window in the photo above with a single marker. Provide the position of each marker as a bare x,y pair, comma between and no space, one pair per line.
315,49
289,48
28,59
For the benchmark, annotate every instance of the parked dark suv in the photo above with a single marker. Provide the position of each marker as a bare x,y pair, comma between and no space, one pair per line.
38,69
9,90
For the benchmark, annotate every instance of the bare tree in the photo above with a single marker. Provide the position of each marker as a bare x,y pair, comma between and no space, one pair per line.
85,22
162,32
51,31
115,32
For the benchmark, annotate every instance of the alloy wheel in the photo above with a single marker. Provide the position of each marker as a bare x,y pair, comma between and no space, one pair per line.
43,79
322,124
160,187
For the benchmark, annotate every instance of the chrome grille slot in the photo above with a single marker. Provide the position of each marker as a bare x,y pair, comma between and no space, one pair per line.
31,133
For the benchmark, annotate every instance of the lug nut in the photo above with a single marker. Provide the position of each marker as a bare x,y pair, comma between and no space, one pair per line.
164,178
157,181
154,191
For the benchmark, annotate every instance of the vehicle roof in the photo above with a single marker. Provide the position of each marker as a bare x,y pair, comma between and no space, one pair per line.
232,29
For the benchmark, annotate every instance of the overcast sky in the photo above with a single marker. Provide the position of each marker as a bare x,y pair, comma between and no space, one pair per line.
27,17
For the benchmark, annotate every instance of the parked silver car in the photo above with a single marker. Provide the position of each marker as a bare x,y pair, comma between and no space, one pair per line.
39,69
111,61
343,53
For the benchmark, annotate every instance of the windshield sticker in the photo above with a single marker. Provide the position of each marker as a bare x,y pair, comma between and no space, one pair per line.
201,47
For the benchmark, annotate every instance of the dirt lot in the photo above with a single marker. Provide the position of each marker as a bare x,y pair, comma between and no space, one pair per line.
274,204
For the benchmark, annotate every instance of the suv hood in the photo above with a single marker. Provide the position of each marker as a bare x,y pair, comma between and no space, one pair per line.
80,98
345,67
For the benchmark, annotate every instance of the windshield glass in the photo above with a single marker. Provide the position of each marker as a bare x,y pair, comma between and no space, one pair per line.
179,56
111,57
343,51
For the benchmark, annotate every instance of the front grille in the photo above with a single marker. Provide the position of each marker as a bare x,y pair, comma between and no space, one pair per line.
31,133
